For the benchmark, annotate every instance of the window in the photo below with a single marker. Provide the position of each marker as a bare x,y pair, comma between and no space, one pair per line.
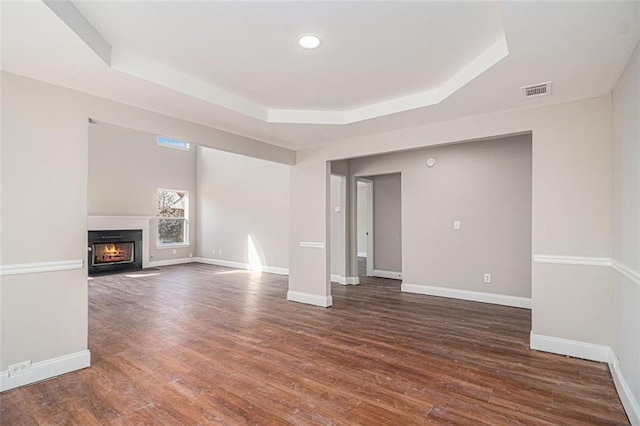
173,217
172,143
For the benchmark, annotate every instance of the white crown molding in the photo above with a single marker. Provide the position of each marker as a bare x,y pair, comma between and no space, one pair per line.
240,265
476,296
626,271
387,274
31,268
310,299
494,54
132,64
47,369
572,260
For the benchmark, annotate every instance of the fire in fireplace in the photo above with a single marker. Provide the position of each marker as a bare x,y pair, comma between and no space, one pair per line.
114,251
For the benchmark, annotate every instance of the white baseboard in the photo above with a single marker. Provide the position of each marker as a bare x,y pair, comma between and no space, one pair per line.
310,299
353,280
387,274
47,369
345,280
556,345
476,296
169,262
362,254
240,265
593,352
629,401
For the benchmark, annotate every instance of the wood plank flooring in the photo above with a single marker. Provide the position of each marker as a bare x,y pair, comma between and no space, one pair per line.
200,344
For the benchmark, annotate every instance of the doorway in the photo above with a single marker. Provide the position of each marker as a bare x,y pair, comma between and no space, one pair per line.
379,226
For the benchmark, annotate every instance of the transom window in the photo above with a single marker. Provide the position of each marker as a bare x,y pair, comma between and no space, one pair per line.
172,143
173,217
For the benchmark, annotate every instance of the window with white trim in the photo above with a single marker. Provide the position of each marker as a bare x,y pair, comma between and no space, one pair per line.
173,214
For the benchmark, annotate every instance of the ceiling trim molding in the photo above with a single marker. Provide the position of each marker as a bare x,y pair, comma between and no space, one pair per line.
67,12
494,54
132,64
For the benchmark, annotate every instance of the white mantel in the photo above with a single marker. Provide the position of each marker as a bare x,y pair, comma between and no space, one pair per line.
112,223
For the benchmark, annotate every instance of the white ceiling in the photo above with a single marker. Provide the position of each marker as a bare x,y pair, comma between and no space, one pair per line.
382,65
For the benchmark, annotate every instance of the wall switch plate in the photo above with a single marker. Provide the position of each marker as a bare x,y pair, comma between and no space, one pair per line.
487,278
456,224
23,367
338,210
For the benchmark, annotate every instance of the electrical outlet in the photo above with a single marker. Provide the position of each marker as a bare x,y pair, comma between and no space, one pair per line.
487,278
190,255
23,367
175,251
456,225
220,252
214,251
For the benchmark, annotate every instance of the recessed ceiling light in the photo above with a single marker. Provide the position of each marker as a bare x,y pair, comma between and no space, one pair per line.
309,41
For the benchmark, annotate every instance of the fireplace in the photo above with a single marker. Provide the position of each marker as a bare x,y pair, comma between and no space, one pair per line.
114,251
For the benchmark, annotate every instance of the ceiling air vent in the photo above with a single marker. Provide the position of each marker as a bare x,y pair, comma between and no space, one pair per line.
535,90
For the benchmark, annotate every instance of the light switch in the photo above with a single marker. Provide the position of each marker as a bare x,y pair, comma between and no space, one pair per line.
338,210
456,224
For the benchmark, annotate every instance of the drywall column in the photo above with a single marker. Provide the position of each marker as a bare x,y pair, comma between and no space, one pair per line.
342,168
309,263
571,226
626,237
44,232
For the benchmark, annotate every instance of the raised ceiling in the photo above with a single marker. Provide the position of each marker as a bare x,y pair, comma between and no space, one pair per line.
382,65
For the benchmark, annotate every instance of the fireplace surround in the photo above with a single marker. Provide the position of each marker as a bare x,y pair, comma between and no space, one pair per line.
114,251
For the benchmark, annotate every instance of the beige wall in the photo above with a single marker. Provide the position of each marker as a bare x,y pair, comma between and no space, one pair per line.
44,175
338,225
362,202
626,223
571,203
387,223
487,186
241,197
126,168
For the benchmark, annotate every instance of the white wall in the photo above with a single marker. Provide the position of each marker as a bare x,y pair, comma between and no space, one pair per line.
44,175
571,206
126,168
626,225
241,197
487,186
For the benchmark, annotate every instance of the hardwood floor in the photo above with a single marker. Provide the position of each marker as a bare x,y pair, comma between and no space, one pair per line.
199,344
